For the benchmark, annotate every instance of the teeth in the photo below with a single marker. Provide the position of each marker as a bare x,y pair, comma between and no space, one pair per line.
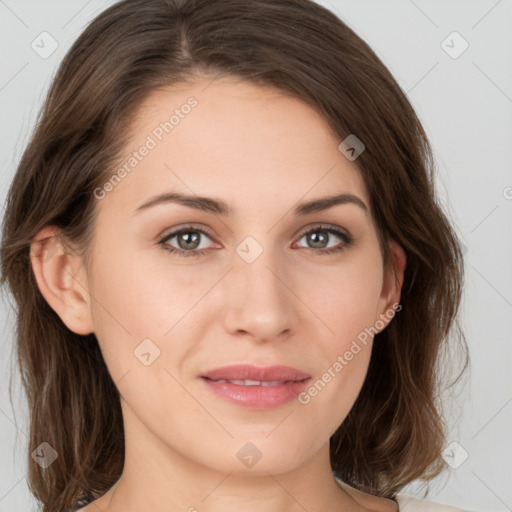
272,383
254,382
246,382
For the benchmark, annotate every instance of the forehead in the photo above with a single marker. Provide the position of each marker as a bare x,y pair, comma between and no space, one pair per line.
233,140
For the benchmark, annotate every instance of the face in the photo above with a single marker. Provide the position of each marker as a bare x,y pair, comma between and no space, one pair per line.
249,276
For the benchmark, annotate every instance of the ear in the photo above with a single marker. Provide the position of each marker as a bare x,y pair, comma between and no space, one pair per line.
62,280
389,301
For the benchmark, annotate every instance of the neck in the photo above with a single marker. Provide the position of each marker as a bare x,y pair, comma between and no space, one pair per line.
158,477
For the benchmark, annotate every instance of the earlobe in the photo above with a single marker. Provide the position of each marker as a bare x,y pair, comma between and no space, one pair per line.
61,279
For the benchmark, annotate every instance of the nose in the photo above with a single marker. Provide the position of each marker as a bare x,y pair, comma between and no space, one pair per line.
260,301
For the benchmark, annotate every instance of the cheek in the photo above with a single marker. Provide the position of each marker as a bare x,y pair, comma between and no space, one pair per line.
345,297
335,388
346,302
136,299
141,298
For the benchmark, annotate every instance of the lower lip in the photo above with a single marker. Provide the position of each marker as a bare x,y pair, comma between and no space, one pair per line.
257,397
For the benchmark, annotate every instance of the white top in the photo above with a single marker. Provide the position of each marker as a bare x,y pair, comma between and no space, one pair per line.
406,503
414,505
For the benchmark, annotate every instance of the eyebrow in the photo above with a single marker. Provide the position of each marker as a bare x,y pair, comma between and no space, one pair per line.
218,207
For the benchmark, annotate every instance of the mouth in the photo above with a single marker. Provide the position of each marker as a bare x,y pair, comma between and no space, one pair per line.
247,382
256,387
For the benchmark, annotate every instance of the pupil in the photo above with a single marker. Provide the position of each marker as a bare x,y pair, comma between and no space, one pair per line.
187,236
314,236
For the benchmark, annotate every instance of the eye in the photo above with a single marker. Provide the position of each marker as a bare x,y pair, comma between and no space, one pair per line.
319,236
188,240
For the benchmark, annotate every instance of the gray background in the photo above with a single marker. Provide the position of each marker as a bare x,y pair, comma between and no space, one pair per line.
465,104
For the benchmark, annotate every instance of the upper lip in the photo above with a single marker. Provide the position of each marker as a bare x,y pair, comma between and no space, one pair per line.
261,373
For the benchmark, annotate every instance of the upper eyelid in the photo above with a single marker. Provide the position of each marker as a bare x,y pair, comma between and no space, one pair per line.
177,231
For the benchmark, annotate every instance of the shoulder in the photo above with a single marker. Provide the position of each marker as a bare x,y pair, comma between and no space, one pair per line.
405,503
415,505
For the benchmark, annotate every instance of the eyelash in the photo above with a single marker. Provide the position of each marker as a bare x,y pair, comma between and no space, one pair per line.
347,239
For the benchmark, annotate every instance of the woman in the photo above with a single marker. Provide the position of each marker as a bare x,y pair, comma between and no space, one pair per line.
187,340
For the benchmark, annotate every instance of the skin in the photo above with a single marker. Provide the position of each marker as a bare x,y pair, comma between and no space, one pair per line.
261,152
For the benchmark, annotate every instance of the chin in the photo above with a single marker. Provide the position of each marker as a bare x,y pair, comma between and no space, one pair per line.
257,456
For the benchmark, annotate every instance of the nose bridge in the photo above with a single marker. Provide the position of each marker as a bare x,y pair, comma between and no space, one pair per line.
260,301
258,267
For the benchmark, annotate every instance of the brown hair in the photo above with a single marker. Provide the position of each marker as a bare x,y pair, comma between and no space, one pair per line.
395,431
